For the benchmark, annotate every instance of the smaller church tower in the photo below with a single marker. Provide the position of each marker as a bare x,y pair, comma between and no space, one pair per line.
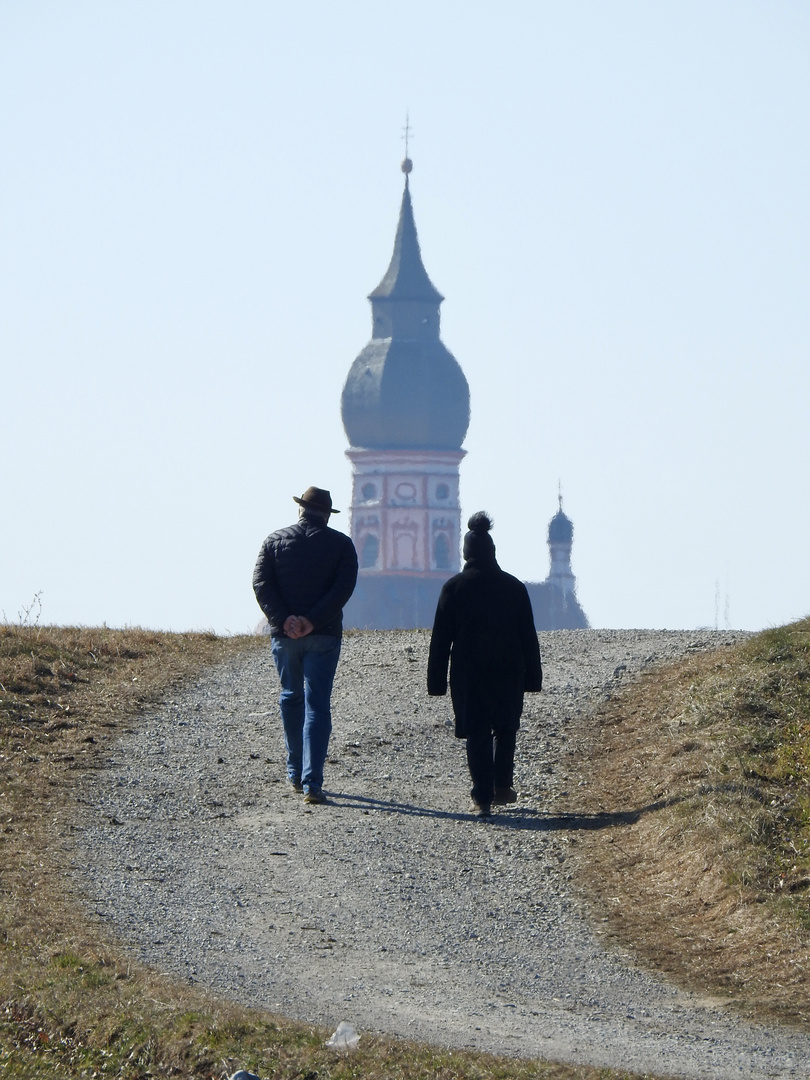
554,600
560,539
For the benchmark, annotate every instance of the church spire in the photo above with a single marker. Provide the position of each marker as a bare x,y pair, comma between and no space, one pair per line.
560,539
405,390
406,277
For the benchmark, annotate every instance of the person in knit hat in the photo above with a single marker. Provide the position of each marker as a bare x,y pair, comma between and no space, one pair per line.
484,628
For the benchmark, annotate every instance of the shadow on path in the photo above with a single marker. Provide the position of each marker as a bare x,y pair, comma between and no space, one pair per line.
508,817
521,817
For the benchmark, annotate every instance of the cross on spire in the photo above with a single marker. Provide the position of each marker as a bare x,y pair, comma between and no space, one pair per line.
407,164
407,132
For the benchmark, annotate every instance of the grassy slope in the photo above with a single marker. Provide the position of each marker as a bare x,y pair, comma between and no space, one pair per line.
72,1002
702,775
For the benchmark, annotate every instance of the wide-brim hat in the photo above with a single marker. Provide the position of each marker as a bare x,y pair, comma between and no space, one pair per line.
316,499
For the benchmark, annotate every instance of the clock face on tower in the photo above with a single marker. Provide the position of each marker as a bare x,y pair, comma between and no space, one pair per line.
405,491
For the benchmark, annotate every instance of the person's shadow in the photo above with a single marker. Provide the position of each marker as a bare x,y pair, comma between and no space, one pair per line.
513,816
510,816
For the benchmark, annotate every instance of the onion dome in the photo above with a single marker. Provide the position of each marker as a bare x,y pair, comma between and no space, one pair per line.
406,390
560,529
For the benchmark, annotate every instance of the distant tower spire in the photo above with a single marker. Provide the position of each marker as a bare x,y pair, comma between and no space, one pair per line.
407,164
560,538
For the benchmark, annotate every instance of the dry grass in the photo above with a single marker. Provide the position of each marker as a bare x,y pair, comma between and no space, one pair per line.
703,866
72,1002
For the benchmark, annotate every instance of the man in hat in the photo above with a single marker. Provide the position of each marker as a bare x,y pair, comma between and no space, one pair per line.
303,578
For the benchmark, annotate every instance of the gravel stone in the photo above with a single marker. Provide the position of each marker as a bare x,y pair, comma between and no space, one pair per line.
394,907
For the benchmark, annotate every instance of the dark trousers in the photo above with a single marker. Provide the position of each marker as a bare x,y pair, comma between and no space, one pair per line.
491,760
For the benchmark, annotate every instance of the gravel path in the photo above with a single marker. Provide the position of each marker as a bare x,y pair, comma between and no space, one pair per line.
394,907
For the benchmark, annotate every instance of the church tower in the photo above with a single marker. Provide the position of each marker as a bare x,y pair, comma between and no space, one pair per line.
560,540
554,600
405,410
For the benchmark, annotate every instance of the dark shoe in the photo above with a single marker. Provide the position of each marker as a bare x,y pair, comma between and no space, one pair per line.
295,784
314,796
505,795
482,809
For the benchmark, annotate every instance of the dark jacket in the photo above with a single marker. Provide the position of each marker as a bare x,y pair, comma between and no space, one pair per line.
484,627
307,569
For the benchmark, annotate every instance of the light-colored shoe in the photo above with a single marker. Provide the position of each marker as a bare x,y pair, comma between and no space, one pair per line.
295,784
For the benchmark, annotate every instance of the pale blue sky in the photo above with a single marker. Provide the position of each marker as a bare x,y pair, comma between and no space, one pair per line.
198,196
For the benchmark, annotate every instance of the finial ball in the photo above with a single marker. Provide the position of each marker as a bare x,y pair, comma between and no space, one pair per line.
407,165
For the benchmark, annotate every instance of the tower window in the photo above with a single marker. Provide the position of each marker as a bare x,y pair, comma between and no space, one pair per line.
368,491
441,552
442,491
370,551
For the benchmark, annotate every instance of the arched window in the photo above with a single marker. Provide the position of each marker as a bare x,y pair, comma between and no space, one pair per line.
370,551
441,552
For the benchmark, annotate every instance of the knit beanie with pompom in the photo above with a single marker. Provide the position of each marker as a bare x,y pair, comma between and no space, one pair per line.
478,544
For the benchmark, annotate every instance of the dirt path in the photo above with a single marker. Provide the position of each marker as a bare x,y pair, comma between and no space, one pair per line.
394,907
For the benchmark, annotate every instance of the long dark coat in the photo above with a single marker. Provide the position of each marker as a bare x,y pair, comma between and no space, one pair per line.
485,628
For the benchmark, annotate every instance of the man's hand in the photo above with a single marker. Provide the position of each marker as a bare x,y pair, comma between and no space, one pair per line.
297,626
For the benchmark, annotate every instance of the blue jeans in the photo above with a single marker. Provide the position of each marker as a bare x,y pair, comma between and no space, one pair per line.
306,667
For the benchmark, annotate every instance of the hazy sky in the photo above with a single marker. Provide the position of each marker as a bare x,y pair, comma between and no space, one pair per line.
197,196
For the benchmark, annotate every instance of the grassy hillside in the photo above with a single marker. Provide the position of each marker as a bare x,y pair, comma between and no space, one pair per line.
703,774
704,861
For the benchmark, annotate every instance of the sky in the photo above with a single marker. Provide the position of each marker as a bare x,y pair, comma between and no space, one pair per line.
196,198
